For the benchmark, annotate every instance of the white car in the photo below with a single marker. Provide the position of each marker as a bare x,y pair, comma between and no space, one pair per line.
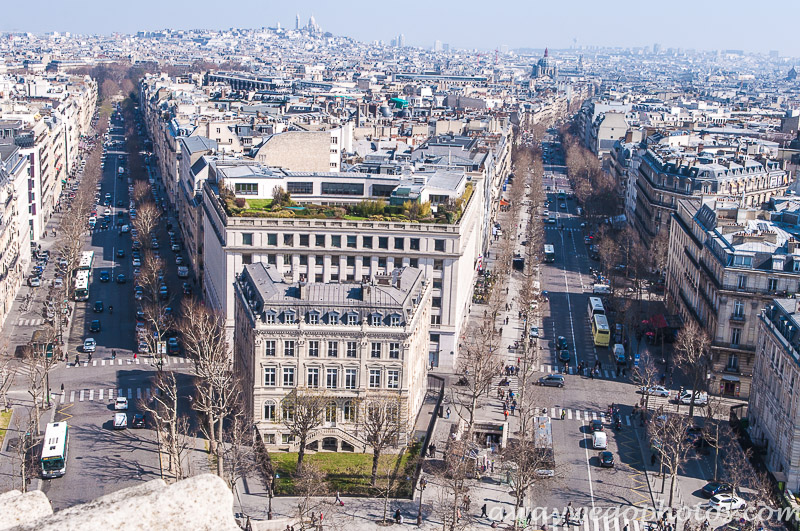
726,502
655,390
121,403
534,332
700,398
89,345
107,212
120,421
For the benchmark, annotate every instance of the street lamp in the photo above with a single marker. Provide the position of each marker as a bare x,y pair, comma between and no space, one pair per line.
422,484
271,488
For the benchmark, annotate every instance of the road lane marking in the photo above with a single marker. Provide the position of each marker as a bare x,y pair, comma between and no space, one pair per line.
63,396
569,414
94,363
91,394
119,362
80,399
554,414
137,361
139,393
120,393
147,392
594,415
130,393
100,393
587,443
72,396
628,420
103,363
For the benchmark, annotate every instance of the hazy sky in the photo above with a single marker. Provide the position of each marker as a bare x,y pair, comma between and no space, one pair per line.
752,25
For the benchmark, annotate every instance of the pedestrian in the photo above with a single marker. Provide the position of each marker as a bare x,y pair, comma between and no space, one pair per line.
447,412
529,519
563,413
591,374
338,500
62,387
484,514
581,515
505,413
397,516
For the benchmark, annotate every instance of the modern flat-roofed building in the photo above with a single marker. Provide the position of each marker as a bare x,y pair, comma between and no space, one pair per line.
356,344
323,243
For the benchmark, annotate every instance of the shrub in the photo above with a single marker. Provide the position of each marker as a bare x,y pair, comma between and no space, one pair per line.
241,202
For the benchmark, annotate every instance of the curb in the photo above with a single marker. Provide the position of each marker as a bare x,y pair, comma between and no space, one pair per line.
4,446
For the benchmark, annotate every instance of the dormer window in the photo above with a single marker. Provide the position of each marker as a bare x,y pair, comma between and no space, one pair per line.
269,317
288,316
394,319
375,319
313,317
352,318
333,318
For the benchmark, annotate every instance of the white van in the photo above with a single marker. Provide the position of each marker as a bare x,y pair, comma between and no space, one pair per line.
120,421
601,289
599,440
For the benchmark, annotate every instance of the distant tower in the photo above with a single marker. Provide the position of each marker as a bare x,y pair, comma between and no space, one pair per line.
401,41
792,75
297,21
437,46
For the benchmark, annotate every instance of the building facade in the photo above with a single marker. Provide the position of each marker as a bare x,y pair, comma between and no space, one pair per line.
355,345
324,249
725,263
15,251
774,419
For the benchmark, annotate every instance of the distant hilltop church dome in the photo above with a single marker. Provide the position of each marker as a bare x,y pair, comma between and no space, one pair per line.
792,75
545,67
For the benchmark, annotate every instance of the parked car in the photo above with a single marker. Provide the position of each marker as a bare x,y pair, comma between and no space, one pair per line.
137,421
534,332
726,502
716,487
552,380
173,347
34,281
655,390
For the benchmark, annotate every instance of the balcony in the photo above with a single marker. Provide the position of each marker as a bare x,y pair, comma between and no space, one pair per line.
733,346
732,369
738,317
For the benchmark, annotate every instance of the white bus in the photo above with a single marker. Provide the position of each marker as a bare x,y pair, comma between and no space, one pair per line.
549,253
87,259
81,292
54,450
595,307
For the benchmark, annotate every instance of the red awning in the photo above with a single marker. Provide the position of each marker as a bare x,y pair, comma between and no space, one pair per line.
658,321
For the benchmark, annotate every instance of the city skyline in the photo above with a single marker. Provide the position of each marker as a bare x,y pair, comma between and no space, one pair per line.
515,25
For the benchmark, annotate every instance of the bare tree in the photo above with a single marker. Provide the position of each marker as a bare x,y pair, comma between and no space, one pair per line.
668,432
217,387
693,356
310,486
645,374
237,444
527,462
265,468
452,478
7,374
141,191
479,365
171,426
147,216
303,411
382,426
39,357
26,442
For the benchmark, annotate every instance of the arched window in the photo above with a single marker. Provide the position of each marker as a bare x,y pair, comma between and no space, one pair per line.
270,410
287,410
330,413
350,411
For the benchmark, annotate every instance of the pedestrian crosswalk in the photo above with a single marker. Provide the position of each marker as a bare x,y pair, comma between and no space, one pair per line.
551,369
30,322
168,360
615,519
106,394
583,415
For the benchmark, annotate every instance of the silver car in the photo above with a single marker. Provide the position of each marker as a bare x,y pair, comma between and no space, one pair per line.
552,380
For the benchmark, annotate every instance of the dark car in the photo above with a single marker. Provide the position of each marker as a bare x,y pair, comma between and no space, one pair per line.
606,459
98,306
95,326
596,425
137,421
187,289
173,347
104,276
561,343
139,316
120,253
716,487
563,356
121,278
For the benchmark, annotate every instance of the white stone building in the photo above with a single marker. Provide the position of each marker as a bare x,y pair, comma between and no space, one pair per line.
360,344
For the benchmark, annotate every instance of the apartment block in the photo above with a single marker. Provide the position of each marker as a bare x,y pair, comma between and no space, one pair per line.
15,251
772,414
726,262
358,345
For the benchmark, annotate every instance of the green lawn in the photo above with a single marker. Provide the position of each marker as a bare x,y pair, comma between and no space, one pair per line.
346,473
259,204
5,418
